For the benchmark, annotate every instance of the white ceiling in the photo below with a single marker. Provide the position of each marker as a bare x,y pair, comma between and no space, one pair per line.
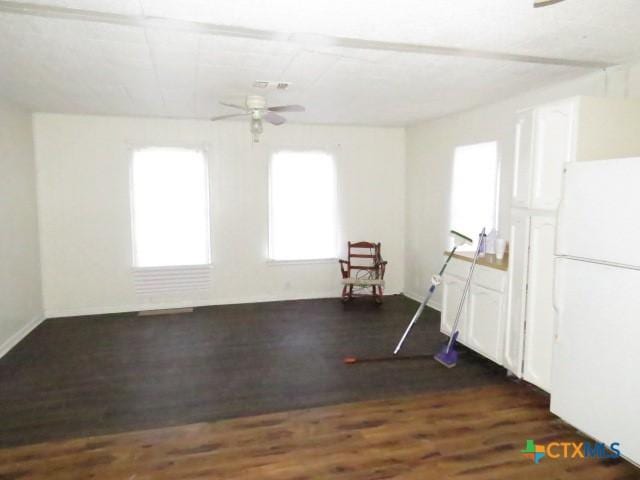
88,66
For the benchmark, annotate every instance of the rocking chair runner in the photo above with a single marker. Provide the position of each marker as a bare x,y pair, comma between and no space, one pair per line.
364,269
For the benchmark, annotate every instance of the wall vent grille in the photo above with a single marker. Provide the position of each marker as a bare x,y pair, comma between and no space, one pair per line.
172,280
271,85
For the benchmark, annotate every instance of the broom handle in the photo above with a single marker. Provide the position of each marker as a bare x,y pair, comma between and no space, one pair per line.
424,303
464,292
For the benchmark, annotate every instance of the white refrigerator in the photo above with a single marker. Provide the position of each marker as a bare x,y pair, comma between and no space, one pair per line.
595,376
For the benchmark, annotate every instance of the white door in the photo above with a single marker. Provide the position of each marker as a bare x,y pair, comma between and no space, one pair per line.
516,304
539,317
553,148
523,159
451,294
595,383
484,332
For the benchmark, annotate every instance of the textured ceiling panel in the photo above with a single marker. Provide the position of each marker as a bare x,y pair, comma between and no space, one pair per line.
502,25
89,66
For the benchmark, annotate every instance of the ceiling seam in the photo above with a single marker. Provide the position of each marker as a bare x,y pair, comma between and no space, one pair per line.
145,22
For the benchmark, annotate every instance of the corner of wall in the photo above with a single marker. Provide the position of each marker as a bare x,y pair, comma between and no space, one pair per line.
21,291
34,137
18,336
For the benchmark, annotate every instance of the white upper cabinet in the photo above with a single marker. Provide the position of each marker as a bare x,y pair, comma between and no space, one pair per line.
549,136
553,147
545,141
523,157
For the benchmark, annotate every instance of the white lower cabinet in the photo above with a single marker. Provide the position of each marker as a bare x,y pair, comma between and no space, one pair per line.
530,316
451,295
539,318
482,320
485,325
517,301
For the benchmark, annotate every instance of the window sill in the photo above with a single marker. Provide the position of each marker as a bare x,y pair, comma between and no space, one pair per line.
172,268
310,261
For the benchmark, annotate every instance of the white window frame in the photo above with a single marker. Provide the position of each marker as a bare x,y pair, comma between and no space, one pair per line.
204,151
496,193
302,150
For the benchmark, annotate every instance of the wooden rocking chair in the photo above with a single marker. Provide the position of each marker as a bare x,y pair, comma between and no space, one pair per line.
363,269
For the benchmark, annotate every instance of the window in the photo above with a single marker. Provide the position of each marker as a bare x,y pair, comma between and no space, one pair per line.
303,219
170,207
474,194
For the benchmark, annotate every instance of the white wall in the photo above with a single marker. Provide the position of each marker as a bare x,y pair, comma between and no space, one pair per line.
430,147
20,293
83,182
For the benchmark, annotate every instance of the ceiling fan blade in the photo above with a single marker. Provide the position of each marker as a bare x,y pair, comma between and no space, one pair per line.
544,3
222,117
287,108
233,105
273,118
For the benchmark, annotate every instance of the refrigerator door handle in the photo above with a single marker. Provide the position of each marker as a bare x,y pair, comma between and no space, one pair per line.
559,244
556,297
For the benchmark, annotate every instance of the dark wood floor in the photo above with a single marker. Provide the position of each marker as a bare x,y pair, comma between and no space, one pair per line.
472,434
83,376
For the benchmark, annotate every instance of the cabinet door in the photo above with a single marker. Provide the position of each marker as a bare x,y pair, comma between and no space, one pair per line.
451,295
553,144
539,312
523,159
484,322
518,270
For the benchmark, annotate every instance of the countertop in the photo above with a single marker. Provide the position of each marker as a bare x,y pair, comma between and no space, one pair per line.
489,260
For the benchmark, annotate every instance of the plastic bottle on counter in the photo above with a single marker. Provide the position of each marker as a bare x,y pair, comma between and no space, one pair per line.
483,244
490,245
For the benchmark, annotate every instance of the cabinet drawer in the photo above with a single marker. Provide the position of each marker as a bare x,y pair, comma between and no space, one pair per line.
486,277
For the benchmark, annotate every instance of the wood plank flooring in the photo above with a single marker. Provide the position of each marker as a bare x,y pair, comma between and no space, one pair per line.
474,433
75,377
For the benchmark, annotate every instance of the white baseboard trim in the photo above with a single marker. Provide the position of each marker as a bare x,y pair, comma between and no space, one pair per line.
14,339
81,312
419,298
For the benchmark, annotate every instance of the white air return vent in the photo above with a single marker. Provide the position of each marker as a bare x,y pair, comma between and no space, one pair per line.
271,85
172,280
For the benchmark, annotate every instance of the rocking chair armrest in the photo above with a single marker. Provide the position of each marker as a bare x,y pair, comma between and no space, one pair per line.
343,270
381,266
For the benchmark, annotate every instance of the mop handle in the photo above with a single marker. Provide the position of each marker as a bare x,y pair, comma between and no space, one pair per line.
446,262
464,292
424,303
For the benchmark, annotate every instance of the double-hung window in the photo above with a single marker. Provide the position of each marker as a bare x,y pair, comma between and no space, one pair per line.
170,207
302,205
474,193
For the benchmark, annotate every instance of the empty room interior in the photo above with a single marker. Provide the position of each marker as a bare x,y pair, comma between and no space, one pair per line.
319,240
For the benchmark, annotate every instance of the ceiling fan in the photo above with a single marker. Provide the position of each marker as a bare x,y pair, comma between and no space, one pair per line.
256,107
544,3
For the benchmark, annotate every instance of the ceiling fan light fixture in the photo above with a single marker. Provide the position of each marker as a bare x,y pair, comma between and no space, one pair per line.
256,107
256,129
